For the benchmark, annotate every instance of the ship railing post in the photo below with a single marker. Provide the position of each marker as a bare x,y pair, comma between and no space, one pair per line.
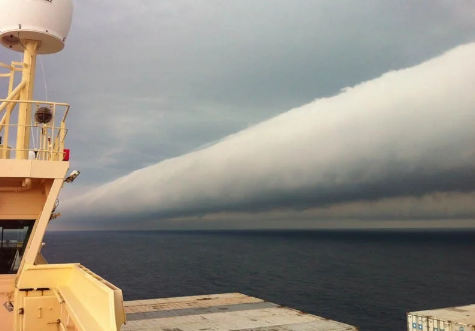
24,111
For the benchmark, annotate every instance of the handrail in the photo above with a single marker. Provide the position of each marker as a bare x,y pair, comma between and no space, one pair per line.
11,98
37,102
50,136
42,102
10,68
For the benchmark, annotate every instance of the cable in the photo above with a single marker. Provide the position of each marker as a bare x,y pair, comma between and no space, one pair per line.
41,64
44,78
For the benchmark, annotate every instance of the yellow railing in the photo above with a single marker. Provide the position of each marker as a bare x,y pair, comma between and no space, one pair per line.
16,66
46,140
31,139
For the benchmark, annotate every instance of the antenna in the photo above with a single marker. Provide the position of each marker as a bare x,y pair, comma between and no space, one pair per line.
45,21
32,27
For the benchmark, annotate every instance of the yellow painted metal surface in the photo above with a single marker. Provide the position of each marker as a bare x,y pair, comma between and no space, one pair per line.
34,244
32,172
48,138
24,112
6,283
43,313
24,205
32,169
6,317
5,151
73,296
40,259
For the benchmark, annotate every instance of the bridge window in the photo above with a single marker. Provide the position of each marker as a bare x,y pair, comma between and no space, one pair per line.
14,235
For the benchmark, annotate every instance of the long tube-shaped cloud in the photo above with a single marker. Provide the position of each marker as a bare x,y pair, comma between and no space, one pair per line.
407,133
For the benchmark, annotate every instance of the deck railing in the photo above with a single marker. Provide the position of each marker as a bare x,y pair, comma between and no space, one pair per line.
44,141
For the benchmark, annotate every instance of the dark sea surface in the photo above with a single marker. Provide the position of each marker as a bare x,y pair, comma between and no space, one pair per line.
365,278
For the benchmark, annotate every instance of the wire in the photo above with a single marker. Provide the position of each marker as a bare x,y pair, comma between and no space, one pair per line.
44,78
19,40
41,64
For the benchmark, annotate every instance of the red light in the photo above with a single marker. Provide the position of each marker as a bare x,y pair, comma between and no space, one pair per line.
66,154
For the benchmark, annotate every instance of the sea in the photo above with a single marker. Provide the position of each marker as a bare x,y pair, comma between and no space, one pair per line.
366,278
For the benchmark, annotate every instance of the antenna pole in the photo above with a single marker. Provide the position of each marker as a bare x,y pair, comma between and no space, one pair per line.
24,115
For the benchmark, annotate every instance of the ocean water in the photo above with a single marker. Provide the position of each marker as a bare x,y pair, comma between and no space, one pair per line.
365,278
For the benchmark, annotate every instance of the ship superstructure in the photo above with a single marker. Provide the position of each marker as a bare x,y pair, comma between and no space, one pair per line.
33,168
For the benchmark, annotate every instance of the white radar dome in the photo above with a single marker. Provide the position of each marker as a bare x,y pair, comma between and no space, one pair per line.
47,21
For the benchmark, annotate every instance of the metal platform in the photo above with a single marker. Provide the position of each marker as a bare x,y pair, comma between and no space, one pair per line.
221,312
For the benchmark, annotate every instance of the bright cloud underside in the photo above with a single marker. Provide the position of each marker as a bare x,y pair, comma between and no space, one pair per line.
404,135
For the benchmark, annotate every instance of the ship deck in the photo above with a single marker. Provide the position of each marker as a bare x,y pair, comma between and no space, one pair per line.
221,312
6,318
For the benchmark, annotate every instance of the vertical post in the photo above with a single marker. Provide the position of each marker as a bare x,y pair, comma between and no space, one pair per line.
6,123
24,111
7,115
7,130
41,223
61,141
11,79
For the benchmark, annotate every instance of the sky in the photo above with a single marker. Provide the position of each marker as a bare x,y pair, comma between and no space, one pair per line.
269,113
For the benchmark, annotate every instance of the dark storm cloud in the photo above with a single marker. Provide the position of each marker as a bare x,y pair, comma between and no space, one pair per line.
408,133
152,80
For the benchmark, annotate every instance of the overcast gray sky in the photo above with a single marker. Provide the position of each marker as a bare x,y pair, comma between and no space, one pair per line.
154,80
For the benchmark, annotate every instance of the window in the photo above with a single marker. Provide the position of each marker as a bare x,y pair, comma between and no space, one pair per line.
14,235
